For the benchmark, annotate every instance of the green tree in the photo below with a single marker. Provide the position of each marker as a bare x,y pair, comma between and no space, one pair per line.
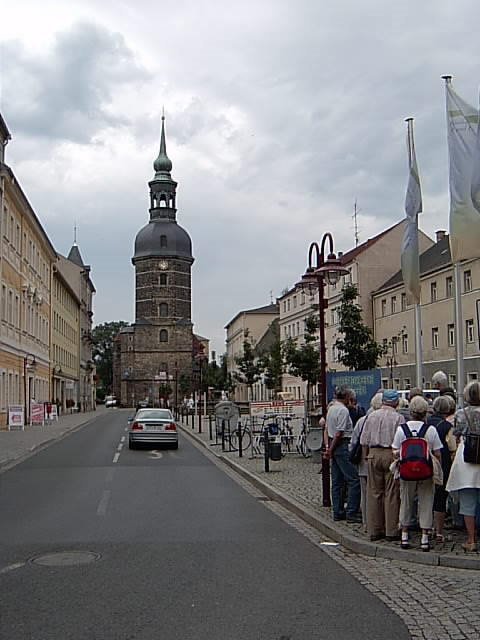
249,368
272,363
304,361
357,349
103,336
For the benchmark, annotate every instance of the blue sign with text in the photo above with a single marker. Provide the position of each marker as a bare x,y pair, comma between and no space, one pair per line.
364,383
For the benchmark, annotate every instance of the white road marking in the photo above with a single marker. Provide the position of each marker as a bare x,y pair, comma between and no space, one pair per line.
126,429
330,544
12,567
120,446
156,454
116,457
122,439
103,504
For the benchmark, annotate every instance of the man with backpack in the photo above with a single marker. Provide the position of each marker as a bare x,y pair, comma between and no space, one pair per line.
414,444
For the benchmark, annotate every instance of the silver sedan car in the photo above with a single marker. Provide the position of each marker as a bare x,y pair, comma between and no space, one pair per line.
153,426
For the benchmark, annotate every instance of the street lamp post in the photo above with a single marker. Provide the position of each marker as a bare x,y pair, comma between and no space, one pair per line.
330,269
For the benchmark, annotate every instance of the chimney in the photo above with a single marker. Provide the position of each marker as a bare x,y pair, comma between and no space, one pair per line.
441,235
340,254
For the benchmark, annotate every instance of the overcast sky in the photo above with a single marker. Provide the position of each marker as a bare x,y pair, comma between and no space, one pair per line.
280,114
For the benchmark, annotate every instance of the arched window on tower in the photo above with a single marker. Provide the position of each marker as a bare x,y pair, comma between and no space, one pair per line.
162,279
163,242
163,335
163,200
163,310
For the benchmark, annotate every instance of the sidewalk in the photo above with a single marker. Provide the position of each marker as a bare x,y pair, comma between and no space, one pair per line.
16,446
295,482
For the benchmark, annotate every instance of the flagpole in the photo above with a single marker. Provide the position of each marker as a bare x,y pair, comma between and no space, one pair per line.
459,334
418,346
418,315
460,367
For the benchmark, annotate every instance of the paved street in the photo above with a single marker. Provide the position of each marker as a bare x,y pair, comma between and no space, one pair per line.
435,602
101,542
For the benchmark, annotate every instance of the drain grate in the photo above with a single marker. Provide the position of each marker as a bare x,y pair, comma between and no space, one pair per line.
66,558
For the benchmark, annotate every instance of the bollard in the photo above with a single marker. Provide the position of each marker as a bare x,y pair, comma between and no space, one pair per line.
223,435
266,449
240,452
210,434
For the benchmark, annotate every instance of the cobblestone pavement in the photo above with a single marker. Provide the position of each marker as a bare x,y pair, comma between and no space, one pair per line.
435,602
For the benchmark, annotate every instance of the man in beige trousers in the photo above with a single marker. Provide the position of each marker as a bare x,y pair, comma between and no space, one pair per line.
383,492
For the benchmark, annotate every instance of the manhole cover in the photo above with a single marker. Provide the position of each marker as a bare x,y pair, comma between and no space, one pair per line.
66,558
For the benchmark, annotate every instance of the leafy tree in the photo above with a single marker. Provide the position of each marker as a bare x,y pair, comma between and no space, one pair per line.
357,349
103,336
184,385
304,361
272,363
249,369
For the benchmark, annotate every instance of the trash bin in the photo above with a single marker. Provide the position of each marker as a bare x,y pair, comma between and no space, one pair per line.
275,449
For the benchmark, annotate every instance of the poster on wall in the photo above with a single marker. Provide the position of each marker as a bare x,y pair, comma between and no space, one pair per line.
37,413
16,417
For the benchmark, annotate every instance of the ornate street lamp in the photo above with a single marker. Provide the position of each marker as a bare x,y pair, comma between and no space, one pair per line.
330,270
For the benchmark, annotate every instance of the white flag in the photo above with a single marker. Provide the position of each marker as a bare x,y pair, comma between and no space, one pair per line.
462,123
413,206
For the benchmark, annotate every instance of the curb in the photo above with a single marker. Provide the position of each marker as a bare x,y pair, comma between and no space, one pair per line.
350,542
13,462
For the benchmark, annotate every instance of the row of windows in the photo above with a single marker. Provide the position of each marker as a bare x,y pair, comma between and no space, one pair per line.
29,250
405,383
469,334
434,292
65,298
292,302
24,316
292,330
64,358
64,328
12,389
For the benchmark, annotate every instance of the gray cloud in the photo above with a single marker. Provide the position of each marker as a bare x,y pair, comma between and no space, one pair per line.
279,115
66,93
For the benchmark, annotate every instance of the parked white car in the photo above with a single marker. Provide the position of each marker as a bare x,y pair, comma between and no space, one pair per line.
110,401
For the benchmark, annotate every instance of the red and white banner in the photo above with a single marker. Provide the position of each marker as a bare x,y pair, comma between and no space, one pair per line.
37,413
278,407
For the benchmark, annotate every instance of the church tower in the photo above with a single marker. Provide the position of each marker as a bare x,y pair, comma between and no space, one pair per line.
157,348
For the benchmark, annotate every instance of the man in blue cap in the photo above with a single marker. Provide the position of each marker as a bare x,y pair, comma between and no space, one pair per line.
383,491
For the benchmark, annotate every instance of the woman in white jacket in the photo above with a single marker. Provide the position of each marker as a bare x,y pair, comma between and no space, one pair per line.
465,476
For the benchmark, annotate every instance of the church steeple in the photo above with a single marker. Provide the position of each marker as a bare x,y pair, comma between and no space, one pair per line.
163,164
162,187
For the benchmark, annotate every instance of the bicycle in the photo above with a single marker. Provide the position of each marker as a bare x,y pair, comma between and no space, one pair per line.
246,437
301,441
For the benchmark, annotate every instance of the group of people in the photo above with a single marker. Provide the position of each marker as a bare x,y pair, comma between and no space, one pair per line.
376,486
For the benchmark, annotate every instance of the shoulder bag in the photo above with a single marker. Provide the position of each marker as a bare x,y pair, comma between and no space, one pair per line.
355,454
471,446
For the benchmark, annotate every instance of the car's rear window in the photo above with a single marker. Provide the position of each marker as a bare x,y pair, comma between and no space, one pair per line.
155,414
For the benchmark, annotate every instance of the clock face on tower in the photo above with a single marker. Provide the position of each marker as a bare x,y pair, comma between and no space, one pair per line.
163,265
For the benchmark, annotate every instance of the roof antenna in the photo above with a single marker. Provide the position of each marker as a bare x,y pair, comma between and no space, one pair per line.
355,221
271,296
75,233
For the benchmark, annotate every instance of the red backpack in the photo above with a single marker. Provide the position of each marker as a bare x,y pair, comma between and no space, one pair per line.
415,459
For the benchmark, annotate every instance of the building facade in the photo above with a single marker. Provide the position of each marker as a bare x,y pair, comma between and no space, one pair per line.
157,350
394,317
27,258
251,324
368,265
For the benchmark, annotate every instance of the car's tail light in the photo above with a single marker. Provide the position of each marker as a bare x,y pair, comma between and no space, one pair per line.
171,426
137,426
